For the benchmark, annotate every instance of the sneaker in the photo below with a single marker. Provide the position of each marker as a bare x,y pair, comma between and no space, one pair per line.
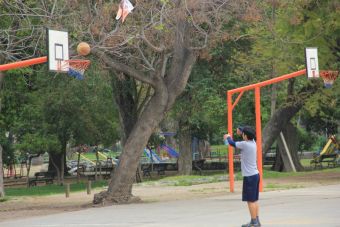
251,225
258,223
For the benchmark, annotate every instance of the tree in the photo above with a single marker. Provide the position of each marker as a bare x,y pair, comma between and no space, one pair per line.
157,46
160,42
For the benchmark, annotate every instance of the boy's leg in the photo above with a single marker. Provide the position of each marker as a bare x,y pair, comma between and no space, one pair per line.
250,194
252,206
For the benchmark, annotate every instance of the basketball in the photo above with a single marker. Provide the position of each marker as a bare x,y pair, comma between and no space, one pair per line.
83,49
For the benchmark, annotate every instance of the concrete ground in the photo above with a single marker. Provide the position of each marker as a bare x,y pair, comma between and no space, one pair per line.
315,206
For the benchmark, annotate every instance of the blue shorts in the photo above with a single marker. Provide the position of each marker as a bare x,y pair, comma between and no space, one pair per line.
250,192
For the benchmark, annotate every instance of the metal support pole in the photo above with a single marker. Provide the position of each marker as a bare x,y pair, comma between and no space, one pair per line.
258,133
230,149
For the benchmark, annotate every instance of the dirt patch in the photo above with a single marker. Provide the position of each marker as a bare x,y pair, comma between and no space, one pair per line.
34,206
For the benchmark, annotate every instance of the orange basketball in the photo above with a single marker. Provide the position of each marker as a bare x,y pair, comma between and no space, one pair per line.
83,49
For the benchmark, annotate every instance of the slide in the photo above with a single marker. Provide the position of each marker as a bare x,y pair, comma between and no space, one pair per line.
152,155
171,152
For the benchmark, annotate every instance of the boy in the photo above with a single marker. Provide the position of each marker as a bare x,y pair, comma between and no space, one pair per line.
250,173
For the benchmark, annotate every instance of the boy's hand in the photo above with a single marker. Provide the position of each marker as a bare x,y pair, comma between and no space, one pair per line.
225,136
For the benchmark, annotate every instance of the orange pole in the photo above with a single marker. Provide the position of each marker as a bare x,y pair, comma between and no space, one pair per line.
230,149
258,133
21,64
237,99
268,82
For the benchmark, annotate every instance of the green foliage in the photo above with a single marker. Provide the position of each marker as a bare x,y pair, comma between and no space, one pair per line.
306,140
45,112
156,140
50,189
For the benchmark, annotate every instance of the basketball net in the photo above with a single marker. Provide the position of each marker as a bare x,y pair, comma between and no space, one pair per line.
76,67
329,77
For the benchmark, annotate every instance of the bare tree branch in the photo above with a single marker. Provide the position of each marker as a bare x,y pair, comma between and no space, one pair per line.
123,67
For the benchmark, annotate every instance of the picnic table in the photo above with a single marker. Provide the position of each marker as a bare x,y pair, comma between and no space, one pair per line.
42,177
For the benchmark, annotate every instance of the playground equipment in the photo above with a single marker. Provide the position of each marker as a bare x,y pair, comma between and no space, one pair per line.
328,154
312,71
85,158
152,156
171,152
106,157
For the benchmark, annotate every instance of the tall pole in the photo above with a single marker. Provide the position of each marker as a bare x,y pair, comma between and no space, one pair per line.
230,149
258,133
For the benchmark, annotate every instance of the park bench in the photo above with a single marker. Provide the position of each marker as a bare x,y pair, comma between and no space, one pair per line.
160,168
42,177
146,169
330,159
198,165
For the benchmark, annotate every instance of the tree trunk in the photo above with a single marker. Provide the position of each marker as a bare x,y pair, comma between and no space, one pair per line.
166,90
62,169
28,173
30,157
120,187
283,115
185,154
56,163
124,89
2,189
78,170
55,166
290,135
203,148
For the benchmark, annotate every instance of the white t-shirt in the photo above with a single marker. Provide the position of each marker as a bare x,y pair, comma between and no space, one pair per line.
248,157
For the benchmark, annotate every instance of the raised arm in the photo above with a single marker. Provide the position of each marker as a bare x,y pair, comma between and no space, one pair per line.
228,138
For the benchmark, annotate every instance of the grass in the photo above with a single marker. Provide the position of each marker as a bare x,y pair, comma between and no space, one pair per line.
220,148
305,162
209,177
222,176
187,180
92,156
50,189
3,199
269,174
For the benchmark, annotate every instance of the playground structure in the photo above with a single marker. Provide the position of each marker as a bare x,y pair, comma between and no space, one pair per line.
100,168
330,154
153,162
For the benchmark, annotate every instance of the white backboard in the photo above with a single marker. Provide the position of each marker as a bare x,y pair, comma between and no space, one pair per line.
57,44
312,63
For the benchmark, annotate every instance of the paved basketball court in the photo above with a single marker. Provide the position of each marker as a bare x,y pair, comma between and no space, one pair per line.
318,206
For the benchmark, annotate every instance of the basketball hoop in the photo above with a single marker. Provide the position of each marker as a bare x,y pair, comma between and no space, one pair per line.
329,77
76,67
